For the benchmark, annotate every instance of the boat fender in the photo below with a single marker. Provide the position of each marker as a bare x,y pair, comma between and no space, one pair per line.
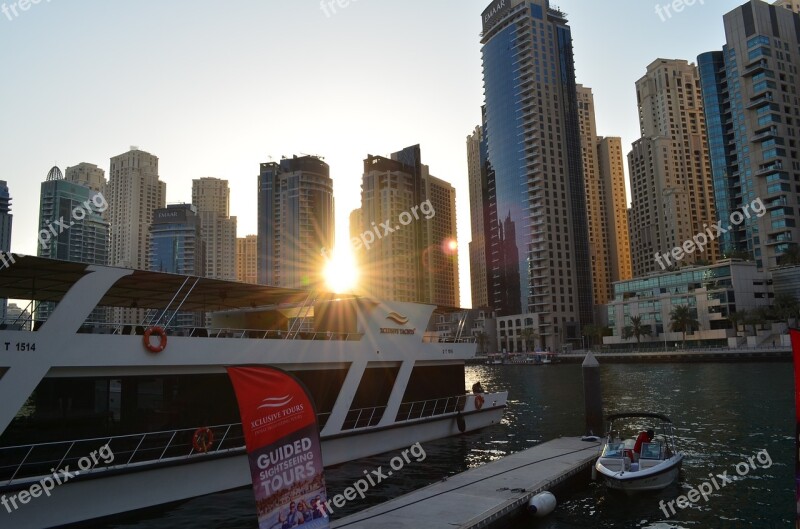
590,438
542,504
203,440
162,339
462,424
479,401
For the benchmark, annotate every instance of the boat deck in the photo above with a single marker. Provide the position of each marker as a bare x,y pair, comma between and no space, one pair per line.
483,495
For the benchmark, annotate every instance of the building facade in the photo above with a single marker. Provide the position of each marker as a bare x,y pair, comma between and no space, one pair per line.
751,89
247,259
211,197
416,258
135,192
596,200
87,175
478,199
177,247
295,222
537,234
612,173
670,169
72,203
711,292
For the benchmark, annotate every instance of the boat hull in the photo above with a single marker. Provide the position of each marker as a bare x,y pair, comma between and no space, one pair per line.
654,479
150,486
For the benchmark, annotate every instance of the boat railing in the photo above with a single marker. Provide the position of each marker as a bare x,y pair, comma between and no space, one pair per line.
447,339
366,417
428,408
20,463
219,332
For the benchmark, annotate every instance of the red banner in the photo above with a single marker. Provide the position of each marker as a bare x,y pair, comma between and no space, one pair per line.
283,448
795,334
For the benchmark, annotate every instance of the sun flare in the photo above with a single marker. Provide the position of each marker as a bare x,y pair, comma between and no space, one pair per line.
341,272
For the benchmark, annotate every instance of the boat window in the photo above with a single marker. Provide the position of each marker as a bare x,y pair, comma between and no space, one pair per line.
651,451
613,450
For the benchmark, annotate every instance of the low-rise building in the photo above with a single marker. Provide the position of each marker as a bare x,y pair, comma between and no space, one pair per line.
711,292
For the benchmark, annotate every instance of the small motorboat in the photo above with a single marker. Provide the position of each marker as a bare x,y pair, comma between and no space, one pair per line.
648,462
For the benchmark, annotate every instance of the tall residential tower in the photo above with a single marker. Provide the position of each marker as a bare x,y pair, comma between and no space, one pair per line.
537,231
295,222
753,110
416,258
211,197
670,170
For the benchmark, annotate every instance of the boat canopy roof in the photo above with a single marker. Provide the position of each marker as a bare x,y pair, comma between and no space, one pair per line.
634,414
41,279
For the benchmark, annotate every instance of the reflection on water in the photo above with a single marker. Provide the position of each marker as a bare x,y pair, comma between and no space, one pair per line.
724,414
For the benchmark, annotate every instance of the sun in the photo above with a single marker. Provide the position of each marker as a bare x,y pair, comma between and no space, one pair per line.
341,273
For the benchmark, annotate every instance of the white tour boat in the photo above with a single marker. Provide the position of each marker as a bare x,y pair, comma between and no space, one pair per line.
74,383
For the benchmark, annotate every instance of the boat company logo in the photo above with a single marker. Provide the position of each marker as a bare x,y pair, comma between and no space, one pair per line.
397,318
281,412
276,402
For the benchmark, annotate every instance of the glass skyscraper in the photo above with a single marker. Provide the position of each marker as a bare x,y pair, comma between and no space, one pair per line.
295,222
750,89
537,240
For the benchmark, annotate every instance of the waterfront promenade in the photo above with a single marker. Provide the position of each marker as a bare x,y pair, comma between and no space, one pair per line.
669,355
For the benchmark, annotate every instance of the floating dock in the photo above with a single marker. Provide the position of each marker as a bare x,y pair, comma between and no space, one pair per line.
484,495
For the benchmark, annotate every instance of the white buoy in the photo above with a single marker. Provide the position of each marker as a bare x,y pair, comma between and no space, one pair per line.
542,504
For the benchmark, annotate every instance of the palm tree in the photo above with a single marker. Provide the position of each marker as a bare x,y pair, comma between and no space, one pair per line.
638,329
527,335
480,338
785,307
683,321
756,317
736,319
594,332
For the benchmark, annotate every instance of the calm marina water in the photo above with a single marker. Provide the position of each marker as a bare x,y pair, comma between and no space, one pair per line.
724,413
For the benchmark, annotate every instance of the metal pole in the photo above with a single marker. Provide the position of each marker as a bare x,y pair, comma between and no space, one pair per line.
593,395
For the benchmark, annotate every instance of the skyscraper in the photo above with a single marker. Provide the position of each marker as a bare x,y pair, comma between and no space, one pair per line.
86,238
537,234
87,175
5,234
247,259
596,201
295,222
670,169
753,111
176,247
408,218
478,199
135,192
211,196
612,174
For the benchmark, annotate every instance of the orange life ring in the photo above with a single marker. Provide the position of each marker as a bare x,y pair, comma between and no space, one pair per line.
162,339
203,440
478,402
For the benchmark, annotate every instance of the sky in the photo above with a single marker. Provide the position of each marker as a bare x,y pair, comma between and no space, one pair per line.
216,88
